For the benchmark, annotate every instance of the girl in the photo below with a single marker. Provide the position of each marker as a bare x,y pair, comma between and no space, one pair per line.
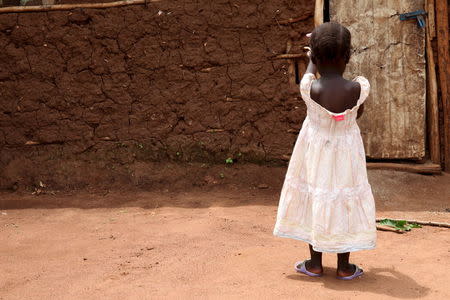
326,199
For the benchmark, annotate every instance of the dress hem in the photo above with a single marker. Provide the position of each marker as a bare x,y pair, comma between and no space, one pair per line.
318,249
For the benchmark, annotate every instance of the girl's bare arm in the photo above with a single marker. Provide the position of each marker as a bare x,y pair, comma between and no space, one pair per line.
311,66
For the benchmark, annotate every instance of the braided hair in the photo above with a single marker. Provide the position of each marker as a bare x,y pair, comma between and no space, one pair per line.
330,41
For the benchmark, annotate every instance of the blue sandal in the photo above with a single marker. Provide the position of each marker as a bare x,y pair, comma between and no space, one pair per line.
300,267
358,272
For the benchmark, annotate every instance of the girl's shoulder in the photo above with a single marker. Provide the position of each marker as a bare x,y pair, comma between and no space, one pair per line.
358,88
353,89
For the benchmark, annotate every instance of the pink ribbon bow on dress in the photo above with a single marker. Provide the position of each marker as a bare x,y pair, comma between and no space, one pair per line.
339,117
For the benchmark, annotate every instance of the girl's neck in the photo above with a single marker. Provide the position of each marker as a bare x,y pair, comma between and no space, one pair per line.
331,70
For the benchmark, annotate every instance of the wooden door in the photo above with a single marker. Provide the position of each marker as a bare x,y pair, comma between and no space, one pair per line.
391,54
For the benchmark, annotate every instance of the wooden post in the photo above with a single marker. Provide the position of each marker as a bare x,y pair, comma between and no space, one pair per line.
18,9
318,18
412,168
291,67
444,71
431,20
432,91
318,13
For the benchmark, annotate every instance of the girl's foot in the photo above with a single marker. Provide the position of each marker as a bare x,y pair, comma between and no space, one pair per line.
317,269
350,272
308,268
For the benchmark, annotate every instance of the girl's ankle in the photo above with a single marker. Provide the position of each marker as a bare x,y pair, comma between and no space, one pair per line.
345,267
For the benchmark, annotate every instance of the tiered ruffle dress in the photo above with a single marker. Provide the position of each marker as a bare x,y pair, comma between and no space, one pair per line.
326,199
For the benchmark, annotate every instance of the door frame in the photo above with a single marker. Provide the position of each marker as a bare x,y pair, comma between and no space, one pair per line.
437,135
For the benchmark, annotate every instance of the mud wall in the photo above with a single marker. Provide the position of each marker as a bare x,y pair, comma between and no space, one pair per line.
192,81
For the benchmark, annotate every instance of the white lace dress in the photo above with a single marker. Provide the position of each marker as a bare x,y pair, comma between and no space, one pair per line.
326,199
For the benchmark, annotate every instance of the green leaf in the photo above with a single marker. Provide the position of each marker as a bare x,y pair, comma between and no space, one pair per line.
388,222
399,225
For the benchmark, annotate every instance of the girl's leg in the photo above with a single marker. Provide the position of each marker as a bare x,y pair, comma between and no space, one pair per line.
344,268
314,265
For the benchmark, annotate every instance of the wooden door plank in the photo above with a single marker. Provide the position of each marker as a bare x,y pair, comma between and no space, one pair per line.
432,91
444,70
391,54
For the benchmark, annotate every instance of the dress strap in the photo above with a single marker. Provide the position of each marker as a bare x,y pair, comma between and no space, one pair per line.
365,89
305,85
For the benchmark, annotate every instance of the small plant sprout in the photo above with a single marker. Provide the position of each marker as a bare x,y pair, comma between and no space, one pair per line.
140,146
229,160
178,153
222,175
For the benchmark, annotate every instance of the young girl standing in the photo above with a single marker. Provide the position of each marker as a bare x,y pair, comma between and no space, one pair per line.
326,199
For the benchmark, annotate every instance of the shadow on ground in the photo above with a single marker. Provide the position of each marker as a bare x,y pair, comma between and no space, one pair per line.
395,283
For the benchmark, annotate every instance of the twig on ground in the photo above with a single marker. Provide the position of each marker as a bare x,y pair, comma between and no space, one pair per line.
386,228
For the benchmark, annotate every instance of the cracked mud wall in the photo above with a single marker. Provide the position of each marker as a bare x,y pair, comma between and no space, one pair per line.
190,81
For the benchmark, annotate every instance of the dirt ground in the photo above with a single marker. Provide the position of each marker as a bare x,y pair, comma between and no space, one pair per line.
212,241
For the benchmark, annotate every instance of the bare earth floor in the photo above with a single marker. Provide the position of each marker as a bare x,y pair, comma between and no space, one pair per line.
210,242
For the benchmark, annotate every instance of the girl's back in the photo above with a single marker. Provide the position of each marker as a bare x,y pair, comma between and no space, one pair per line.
335,94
